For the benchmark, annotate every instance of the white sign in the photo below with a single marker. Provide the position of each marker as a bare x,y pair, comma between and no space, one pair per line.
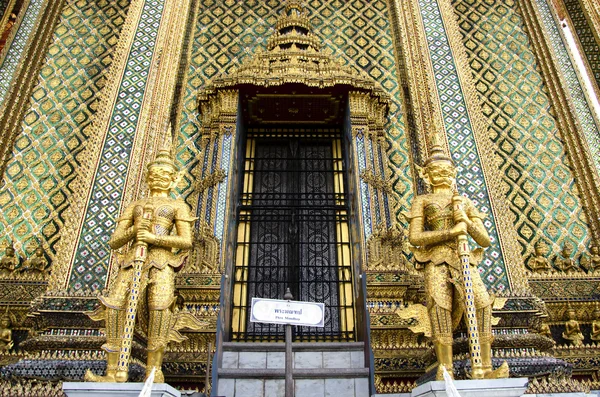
275,311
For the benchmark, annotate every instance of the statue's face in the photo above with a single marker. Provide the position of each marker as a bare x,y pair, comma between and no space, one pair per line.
39,251
160,178
9,251
441,173
594,250
4,322
567,250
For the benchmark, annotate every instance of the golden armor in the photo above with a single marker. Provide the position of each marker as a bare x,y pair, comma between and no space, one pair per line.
572,331
161,226
435,225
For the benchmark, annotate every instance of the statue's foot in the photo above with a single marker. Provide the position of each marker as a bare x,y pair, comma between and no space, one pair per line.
159,377
121,376
92,377
439,375
499,373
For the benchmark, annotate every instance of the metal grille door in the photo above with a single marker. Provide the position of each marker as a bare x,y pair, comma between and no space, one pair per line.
293,232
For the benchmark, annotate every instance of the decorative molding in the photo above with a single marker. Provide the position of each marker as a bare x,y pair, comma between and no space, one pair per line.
409,76
210,180
20,76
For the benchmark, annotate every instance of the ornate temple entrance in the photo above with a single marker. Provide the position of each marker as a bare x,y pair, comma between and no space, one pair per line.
293,231
295,180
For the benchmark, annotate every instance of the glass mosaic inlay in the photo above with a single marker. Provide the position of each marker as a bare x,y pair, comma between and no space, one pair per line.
91,261
471,181
582,109
13,56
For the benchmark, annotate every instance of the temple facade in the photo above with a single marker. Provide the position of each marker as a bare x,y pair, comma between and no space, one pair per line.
300,129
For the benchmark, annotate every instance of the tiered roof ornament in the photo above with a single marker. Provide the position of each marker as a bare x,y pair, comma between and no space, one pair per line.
293,28
293,56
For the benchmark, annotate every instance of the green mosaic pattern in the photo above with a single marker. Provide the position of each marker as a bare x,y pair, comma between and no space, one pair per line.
358,33
38,178
590,46
92,256
573,86
15,51
3,7
461,139
541,188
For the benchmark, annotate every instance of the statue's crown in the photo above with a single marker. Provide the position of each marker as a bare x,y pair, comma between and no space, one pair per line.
164,158
436,152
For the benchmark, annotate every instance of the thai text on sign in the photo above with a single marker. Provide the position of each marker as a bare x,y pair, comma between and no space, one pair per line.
275,311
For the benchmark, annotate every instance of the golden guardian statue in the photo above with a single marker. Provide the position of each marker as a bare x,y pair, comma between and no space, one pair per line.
439,225
155,233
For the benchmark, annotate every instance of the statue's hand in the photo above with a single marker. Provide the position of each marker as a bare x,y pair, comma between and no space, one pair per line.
461,216
142,224
459,229
146,237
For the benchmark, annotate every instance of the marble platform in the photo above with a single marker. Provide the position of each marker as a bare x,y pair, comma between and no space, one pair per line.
511,387
91,389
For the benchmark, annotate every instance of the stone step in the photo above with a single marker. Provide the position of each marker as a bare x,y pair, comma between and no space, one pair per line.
296,346
313,355
342,387
314,373
319,369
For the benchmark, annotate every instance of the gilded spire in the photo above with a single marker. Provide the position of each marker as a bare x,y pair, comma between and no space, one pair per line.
294,30
293,56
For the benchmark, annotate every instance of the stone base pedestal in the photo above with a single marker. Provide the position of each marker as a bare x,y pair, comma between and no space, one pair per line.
90,389
511,387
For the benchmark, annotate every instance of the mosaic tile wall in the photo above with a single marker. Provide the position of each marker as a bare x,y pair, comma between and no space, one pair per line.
34,191
356,32
573,86
3,6
463,147
590,45
90,265
13,56
541,189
